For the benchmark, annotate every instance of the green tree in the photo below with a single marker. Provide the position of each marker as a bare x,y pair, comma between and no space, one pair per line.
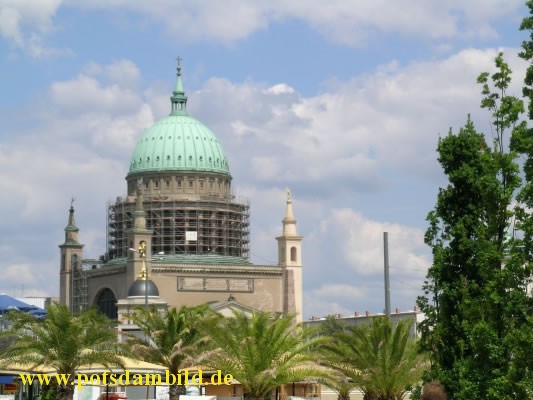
263,351
339,382
381,360
62,342
478,312
331,326
175,340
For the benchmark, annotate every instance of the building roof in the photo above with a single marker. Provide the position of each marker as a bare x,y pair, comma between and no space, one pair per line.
209,259
230,305
179,143
189,259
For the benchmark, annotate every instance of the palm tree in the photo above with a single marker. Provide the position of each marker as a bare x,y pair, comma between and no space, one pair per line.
380,359
262,352
62,342
176,341
341,385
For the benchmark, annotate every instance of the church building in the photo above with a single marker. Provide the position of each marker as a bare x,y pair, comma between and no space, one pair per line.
180,236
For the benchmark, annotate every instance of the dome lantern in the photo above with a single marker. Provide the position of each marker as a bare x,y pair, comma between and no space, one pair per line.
178,98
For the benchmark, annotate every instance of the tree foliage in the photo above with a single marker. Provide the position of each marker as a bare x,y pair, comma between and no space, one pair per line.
262,351
62,342
381,360
175,339
339,382
524,145
478,326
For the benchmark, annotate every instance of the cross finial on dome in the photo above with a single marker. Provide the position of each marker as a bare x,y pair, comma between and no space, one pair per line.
178,98
179,85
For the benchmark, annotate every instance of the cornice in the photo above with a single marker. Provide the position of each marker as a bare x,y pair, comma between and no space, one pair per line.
195,269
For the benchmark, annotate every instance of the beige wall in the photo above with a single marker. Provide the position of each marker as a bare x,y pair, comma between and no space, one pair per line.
266,294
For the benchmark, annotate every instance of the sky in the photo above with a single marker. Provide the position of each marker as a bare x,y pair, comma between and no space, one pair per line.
342,101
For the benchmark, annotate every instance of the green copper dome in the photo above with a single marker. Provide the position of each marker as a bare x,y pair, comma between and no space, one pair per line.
179,143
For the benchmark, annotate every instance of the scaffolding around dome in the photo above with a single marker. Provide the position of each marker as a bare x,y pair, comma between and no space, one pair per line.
183,227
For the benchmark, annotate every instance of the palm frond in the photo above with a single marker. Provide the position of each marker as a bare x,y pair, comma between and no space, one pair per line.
61,342
263,351
378,358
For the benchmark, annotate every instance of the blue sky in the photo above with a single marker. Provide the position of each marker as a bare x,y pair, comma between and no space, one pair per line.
342,101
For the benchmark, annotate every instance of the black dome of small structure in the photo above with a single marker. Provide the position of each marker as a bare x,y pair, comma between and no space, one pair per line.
143,288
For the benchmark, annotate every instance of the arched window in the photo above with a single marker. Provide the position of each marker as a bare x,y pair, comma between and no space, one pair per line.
293,253
107,303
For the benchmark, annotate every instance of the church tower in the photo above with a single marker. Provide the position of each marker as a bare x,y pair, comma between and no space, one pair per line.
188,201
180,235
70,256
290,259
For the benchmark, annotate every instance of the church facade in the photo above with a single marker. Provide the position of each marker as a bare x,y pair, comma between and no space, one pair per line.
181,236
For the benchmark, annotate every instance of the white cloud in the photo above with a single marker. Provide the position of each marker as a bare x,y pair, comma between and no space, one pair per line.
95,110
359,241
30,279
315,306
355,133
19,272
347,22
24,22
9,25
86,132
88,95
34,189
340,291
343,264
280,89
123,73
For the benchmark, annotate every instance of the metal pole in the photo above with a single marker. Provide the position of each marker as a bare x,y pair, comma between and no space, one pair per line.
386,267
